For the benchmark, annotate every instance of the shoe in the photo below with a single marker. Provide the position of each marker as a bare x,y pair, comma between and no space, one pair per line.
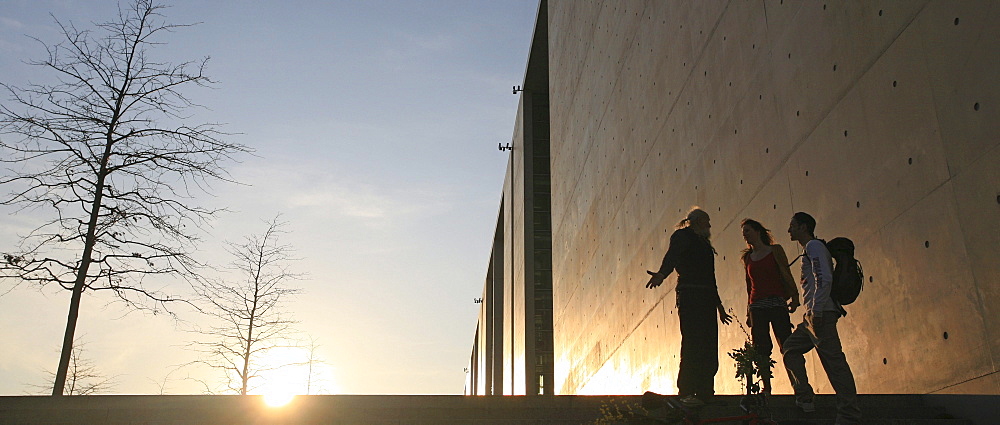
692,401
807,406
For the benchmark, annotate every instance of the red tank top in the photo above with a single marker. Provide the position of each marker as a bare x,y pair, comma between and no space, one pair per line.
765,279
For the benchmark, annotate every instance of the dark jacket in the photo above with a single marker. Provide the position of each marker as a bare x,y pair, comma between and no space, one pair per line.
694,259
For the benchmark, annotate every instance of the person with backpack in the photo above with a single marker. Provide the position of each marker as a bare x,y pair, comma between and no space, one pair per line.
819,327
691,254
770,288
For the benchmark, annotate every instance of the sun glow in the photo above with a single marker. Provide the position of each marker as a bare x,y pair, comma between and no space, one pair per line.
289,373
278,399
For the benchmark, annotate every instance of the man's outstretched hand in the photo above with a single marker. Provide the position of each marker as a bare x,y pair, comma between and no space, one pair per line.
655,279
724,317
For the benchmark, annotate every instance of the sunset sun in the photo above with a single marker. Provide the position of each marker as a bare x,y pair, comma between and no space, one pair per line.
289,373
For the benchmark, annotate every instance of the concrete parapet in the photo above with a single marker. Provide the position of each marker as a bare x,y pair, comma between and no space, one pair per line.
412,409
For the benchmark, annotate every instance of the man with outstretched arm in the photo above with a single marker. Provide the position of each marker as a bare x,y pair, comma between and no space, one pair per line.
691,254
818,328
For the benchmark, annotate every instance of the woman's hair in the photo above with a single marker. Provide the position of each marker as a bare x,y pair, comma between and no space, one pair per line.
765,234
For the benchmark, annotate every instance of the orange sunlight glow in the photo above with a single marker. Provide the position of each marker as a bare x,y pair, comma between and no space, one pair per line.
278,399
290,374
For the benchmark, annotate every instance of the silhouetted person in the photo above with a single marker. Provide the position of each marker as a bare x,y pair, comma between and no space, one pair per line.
769,288
698,302
818,328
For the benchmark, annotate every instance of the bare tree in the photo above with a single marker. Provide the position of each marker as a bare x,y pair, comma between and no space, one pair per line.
106,151
250,316
83,377
312,361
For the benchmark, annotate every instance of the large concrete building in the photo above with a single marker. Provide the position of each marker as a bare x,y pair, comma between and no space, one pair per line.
880,118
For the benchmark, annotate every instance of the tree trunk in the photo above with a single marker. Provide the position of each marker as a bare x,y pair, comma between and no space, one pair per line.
74,303
81,273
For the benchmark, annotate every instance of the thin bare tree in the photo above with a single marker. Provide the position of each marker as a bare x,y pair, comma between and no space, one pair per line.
106,152
83,377
312,361
249,313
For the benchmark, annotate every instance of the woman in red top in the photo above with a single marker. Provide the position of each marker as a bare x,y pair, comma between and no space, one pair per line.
769,287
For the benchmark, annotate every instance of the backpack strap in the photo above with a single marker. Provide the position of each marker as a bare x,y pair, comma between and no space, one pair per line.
804,253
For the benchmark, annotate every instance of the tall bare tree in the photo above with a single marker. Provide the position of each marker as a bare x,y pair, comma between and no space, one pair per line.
249,312
107,151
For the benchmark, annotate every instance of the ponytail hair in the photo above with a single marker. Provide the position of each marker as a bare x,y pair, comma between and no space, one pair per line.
694,213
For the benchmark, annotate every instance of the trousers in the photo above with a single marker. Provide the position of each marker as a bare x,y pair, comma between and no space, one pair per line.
762,321
699,348
821,333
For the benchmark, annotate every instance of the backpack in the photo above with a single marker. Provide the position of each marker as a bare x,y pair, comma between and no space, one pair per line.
848,276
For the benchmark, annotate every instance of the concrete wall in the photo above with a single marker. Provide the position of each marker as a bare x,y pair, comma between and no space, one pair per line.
313,409
519,305
880,118
514,313
499,359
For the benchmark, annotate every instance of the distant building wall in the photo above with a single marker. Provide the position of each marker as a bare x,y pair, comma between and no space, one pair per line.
881,119
517,303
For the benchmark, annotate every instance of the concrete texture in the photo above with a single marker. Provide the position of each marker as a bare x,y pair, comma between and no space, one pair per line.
879,118
517,302
437,410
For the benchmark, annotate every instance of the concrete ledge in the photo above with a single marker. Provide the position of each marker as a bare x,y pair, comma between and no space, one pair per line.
980,409
340,409
413,409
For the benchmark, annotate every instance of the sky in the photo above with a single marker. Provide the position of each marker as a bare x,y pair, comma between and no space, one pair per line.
375,127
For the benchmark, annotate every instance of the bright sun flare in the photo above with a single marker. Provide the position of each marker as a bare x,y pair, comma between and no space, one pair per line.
291,375
278,399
